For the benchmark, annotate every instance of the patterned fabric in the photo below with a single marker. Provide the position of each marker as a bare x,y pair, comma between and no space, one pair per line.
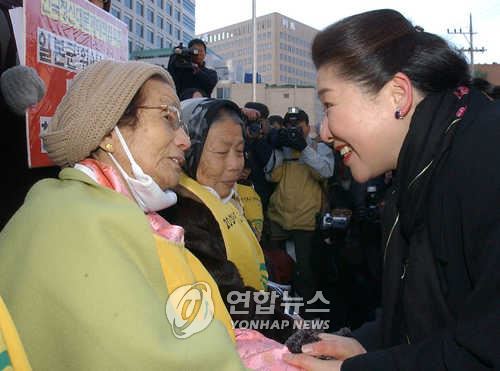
260,353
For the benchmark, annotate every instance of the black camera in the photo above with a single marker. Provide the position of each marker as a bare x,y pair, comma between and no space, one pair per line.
254,128
182,57
288,137
337,219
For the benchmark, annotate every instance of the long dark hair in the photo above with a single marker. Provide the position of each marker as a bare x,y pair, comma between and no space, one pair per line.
370,48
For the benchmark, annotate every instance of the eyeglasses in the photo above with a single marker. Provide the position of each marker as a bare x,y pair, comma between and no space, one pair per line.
174,116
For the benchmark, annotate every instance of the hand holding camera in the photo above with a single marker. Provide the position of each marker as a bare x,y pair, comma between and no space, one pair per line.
182,57
292,135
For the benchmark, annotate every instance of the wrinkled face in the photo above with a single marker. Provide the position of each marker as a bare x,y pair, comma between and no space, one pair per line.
198,59
361,124
222,159
155,142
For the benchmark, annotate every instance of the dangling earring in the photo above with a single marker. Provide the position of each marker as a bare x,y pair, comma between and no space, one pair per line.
109,147
398,114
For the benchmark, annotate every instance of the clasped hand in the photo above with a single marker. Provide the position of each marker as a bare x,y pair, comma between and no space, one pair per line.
338,347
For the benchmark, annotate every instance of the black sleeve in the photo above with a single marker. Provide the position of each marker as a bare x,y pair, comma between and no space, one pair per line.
369,334
472,342
207,79
262,152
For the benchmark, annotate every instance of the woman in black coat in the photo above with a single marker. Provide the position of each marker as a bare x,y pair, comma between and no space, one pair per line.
398,98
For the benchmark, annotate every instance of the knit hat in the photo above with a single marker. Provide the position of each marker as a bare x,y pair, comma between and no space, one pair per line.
21,88
93,105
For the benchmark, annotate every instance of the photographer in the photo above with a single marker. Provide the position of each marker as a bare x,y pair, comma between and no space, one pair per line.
263,155
298,195
187,67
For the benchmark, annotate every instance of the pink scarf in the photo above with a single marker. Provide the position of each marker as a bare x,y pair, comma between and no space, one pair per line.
106,176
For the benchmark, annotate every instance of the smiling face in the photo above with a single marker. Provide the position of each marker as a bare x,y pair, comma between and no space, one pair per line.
222,159
154,141
362,124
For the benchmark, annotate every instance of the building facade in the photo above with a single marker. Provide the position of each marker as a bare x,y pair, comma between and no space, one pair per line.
283,50
277,98
156,24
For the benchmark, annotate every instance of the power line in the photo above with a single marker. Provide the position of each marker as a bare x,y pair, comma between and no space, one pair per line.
471,49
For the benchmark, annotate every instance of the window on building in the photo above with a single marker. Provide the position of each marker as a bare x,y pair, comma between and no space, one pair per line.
223,93
139,29
169,28
128,21
188,24
128,3
150,15
130,46
139,46
159,42
159,3
178,34
168,8
150,36
115,12
189,7
159,22
177,15
139,8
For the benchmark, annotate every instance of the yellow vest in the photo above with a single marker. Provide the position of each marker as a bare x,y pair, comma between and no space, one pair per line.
180,267
12,354
242,247
252,207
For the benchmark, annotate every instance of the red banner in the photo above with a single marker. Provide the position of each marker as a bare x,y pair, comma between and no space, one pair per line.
63,37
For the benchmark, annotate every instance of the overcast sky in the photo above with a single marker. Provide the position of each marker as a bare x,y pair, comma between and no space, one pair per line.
433,15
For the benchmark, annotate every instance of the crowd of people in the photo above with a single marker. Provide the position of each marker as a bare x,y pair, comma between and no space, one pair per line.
175,217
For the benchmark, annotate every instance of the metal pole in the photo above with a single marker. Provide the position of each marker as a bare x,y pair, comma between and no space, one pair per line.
254,72
471,46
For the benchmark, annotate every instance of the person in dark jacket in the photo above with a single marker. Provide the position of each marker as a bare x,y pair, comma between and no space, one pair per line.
194,74
400,98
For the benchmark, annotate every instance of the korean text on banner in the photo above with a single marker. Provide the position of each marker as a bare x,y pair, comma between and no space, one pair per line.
63,37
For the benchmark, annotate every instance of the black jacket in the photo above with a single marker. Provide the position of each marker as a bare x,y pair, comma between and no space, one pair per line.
441,284
185,78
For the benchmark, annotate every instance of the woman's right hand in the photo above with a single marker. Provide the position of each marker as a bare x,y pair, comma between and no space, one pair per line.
338,347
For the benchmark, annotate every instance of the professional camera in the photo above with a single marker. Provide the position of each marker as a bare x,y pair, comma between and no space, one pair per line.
182,57
288,137
254,128
292,135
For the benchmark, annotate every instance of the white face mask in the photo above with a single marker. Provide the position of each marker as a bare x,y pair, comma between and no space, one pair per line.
147,193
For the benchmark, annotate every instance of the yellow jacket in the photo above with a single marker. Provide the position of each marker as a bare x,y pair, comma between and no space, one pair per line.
297,197
80,272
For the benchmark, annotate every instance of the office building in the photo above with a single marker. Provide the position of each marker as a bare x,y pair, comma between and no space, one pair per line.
156,24
283,50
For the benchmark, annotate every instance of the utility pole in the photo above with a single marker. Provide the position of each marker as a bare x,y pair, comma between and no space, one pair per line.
254,70
470,41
